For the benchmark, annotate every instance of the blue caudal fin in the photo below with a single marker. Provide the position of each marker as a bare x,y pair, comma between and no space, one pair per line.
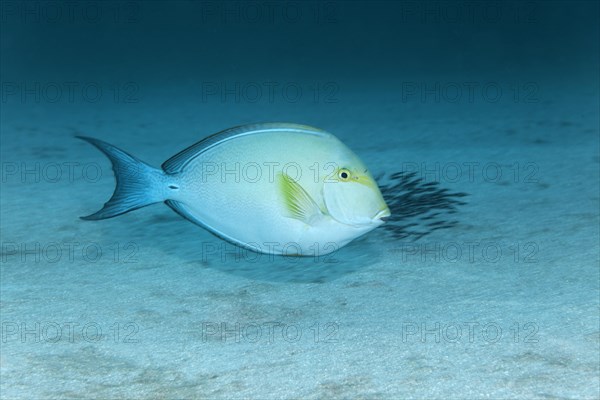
138,184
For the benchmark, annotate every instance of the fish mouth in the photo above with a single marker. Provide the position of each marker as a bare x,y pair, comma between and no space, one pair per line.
382,216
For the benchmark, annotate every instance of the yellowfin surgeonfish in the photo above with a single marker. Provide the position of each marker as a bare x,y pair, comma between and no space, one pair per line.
275,188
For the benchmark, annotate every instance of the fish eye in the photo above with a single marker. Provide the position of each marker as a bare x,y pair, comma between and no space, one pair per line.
344,174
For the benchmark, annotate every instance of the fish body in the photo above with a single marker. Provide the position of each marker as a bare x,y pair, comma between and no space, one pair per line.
274,188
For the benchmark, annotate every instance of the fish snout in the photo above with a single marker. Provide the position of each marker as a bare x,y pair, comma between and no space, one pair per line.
382,216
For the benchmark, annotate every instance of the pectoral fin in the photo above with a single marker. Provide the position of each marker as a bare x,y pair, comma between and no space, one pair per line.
298,203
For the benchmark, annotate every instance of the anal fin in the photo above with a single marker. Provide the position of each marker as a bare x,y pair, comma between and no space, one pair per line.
182,210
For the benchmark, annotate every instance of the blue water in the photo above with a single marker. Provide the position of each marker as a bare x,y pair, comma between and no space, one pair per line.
486,286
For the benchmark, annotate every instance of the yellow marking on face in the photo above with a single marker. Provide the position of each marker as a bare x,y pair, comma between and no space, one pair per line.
346,175
367,181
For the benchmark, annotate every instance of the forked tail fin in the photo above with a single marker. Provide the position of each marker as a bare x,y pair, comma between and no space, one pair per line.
138,184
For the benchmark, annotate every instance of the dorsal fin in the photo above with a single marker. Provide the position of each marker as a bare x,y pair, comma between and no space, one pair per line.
176,163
